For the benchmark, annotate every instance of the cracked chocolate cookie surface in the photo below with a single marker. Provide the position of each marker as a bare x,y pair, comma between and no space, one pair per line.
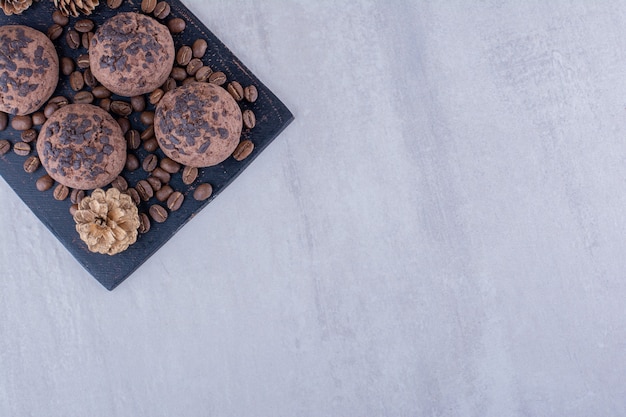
81,146
29,69
132,54
198,124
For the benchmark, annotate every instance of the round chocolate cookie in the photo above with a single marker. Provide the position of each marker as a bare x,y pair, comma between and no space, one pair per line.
198,124
29,69
82,146
132,54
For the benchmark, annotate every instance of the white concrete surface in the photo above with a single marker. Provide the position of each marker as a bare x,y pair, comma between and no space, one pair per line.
443,233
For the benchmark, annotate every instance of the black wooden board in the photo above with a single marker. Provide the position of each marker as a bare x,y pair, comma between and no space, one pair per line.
272,117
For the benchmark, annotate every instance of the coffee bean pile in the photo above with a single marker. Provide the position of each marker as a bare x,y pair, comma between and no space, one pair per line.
154,188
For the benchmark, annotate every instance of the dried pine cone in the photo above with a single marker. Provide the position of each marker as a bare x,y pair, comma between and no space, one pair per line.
75,7
107,222
14,6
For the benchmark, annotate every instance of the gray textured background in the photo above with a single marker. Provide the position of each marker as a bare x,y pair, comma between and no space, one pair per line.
439,233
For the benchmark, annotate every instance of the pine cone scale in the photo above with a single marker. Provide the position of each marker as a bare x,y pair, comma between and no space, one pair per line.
107,222
76,7
10,7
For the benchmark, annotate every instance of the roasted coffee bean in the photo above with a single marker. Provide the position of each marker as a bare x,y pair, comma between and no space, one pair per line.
134,195
250,93
144,221
158,213
77,196
147,117
83,97
61,192
21,148
170,165
148,133
190,174
145,190
132,162
193,66
249,119
59,18
101,92
90,80
84,25
22,122
39,118
105,104
73,39
150,162
121,108
49,110
4,120
175,201
133,140
203,192
138,103
55,31
114,4
151,145
236,90
178,73
162,10
184,55
124,124
147,6
31,164
243,150
217,78
29,135
77,81
169,85
73,209
176,25
154,183
203,74
156,96
44,183
83,61
162,175
120,183
85,39
199,48
67,65
59,101
5,146
189,80
164,193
